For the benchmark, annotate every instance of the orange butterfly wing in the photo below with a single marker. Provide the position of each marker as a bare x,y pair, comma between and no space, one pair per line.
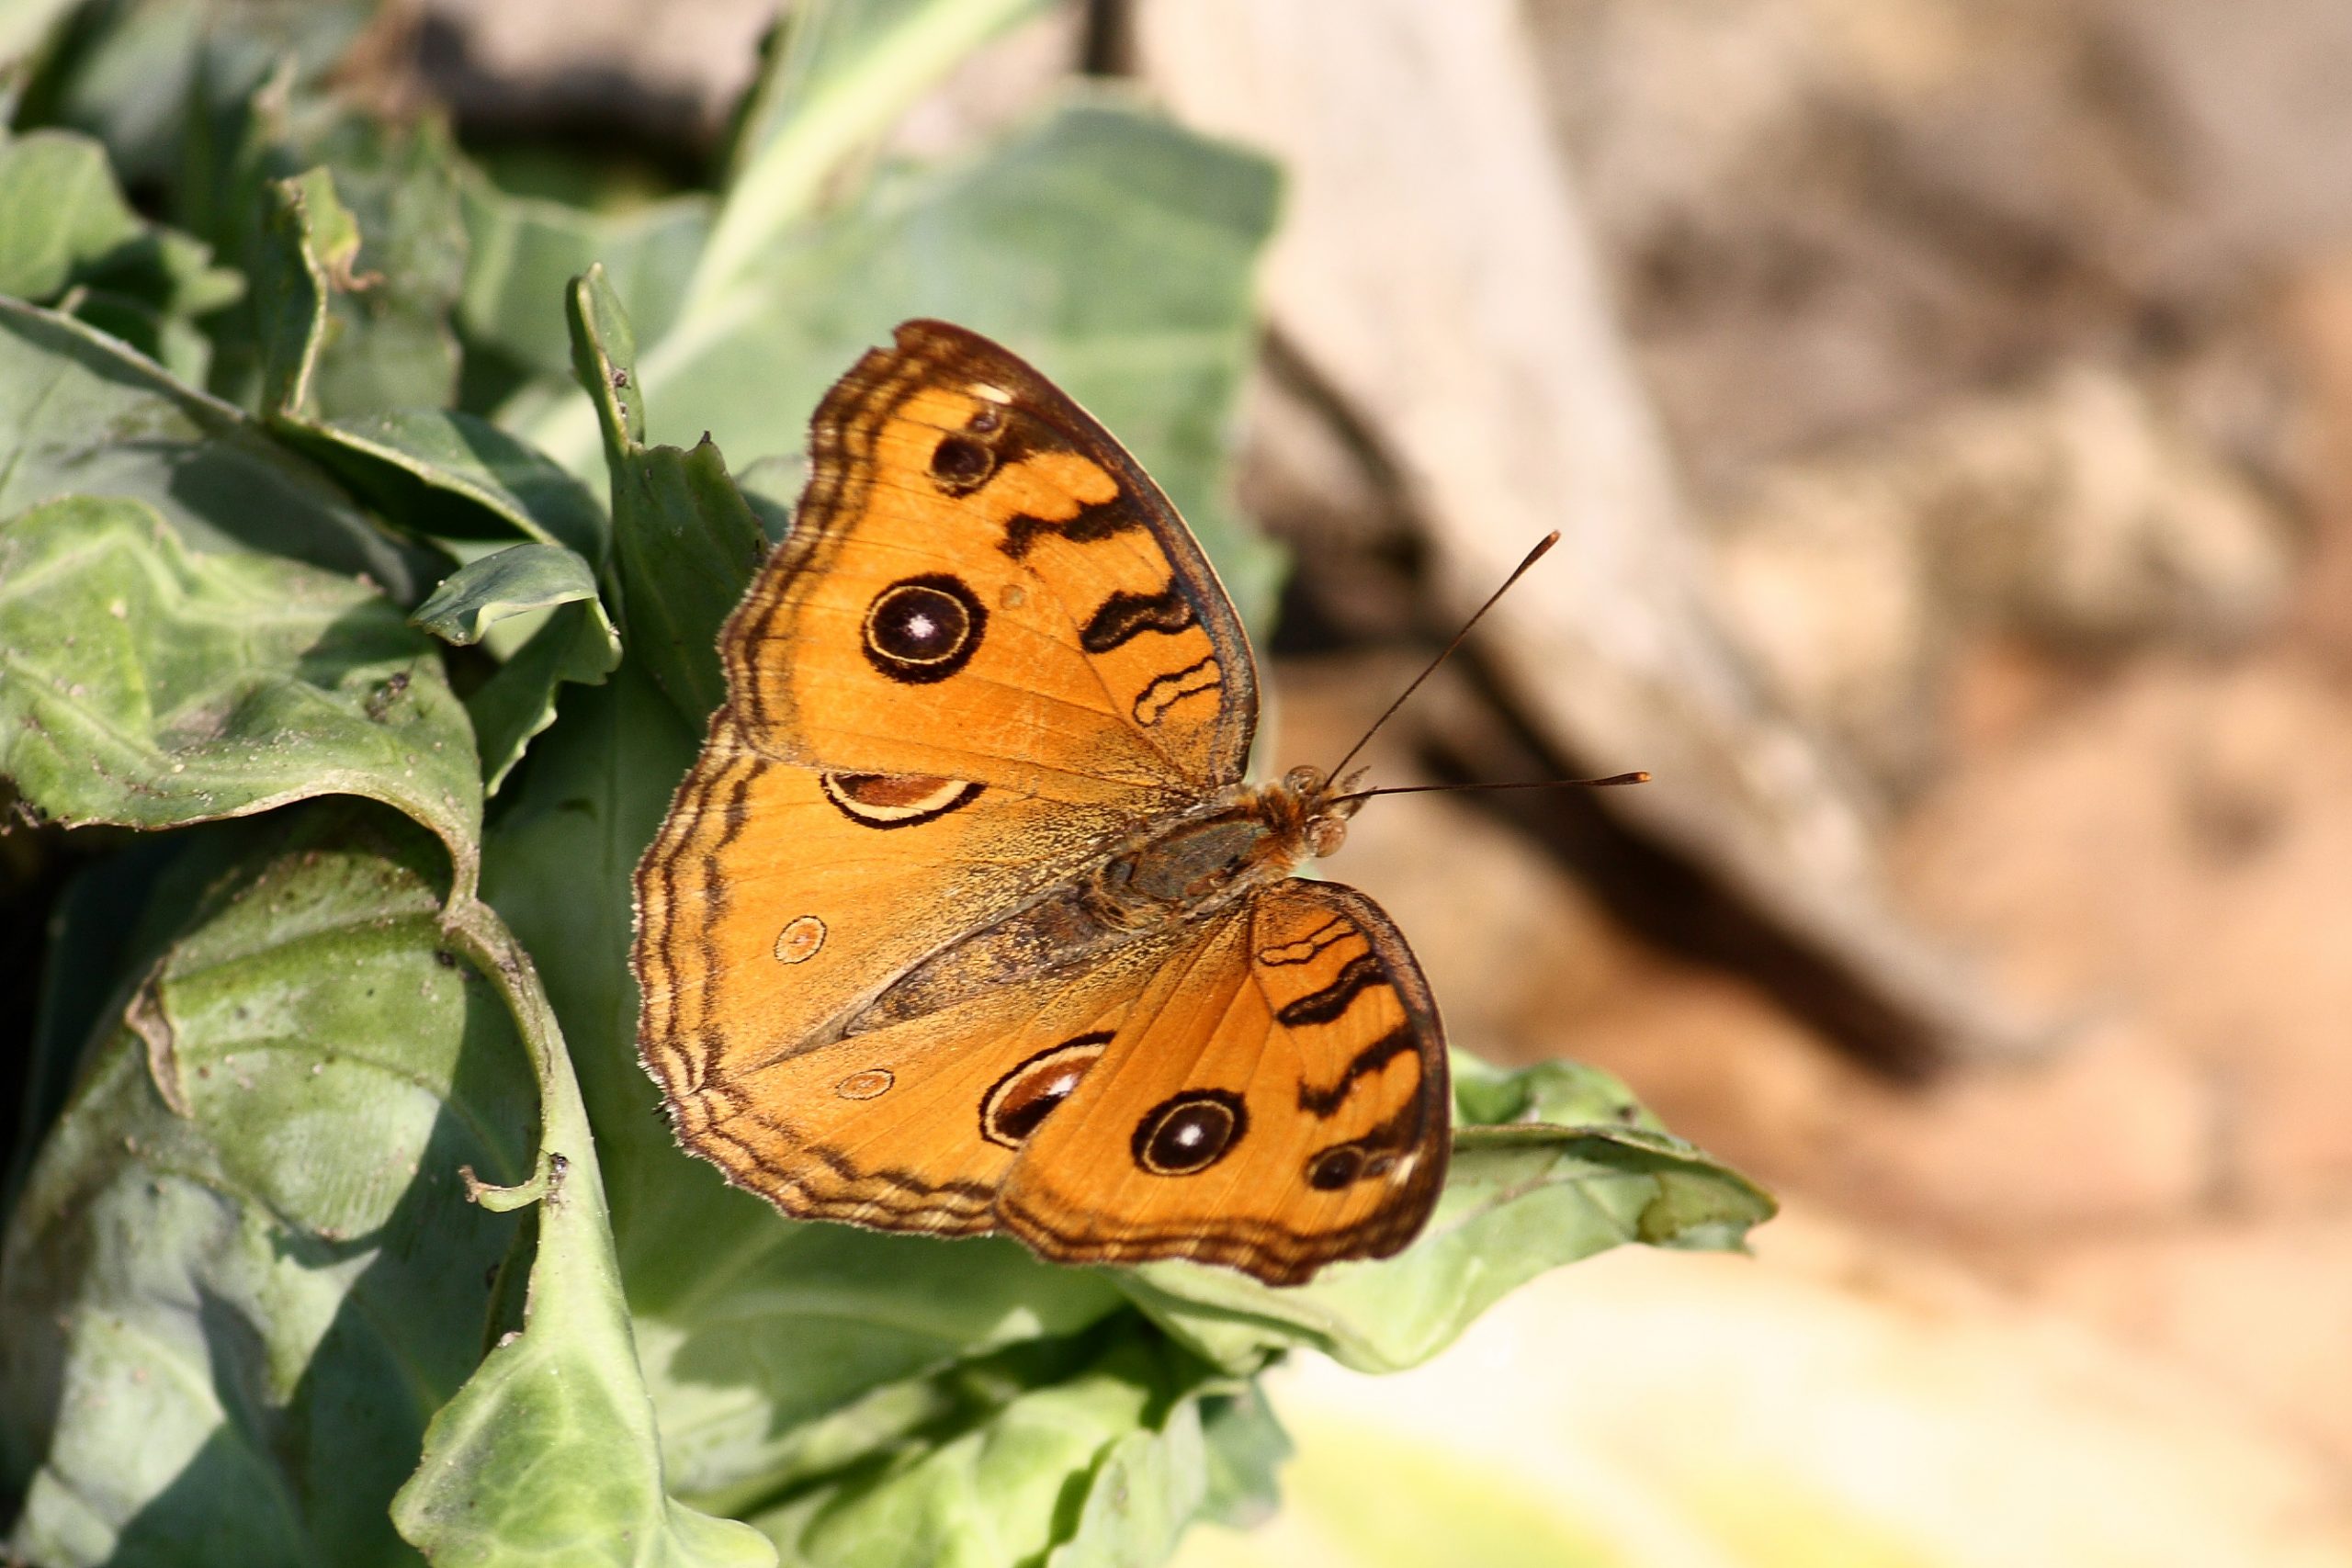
965,525
1276,1100
987,654
954,678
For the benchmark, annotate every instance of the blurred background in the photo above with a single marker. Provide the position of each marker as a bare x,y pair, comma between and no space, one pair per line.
1946,405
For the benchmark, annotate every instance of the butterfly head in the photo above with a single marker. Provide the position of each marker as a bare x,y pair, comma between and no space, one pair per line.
1321,809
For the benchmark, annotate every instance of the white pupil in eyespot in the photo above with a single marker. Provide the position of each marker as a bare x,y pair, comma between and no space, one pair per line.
1188,1134
920,627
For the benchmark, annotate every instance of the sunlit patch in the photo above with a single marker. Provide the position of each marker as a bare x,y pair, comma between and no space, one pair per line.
1024,1098
799,940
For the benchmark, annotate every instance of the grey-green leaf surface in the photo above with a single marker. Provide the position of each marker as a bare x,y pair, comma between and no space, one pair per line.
549,1453
451,475
511,582
1519,1200
63,221
684,541
522,252
80,414
357,273
1245,1446
60,211
576,643
146,684
1091,1467
309,248
1112,248
244,1273
847,69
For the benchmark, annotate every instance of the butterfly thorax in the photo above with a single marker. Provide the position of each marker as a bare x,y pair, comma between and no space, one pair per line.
1168,873
1261,833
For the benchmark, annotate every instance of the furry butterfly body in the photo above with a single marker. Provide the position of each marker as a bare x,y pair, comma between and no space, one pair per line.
966,919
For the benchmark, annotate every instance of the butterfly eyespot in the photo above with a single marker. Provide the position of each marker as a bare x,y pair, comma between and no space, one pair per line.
799,940
1335,1167
871,1083
1190,1133
989,419
1019,1101
1013,596
924,628
896,800
960,464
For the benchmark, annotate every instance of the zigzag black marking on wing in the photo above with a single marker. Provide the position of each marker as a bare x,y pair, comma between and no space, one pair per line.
1096,520
1358,974
1125,616
1313,942
1366,1062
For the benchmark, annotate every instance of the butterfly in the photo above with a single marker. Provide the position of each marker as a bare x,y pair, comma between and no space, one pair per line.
967,917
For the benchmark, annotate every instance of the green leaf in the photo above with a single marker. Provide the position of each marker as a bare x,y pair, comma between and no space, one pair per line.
60,213
109,925
1245,1446
1112,248
1102,1466
1565,1094
513,582
847,70
522,252
684,541
548,1454
80,414
244,1273
312,249
453,476
577,643
145,684
352,306
1519,1200
161,81
63,222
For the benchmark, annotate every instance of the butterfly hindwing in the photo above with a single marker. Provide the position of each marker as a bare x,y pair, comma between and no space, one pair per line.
1277,1100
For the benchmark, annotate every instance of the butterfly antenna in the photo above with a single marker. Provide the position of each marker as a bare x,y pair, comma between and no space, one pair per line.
1542,544
1535,784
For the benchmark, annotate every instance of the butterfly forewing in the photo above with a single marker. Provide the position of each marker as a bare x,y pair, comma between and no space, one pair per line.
980,585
